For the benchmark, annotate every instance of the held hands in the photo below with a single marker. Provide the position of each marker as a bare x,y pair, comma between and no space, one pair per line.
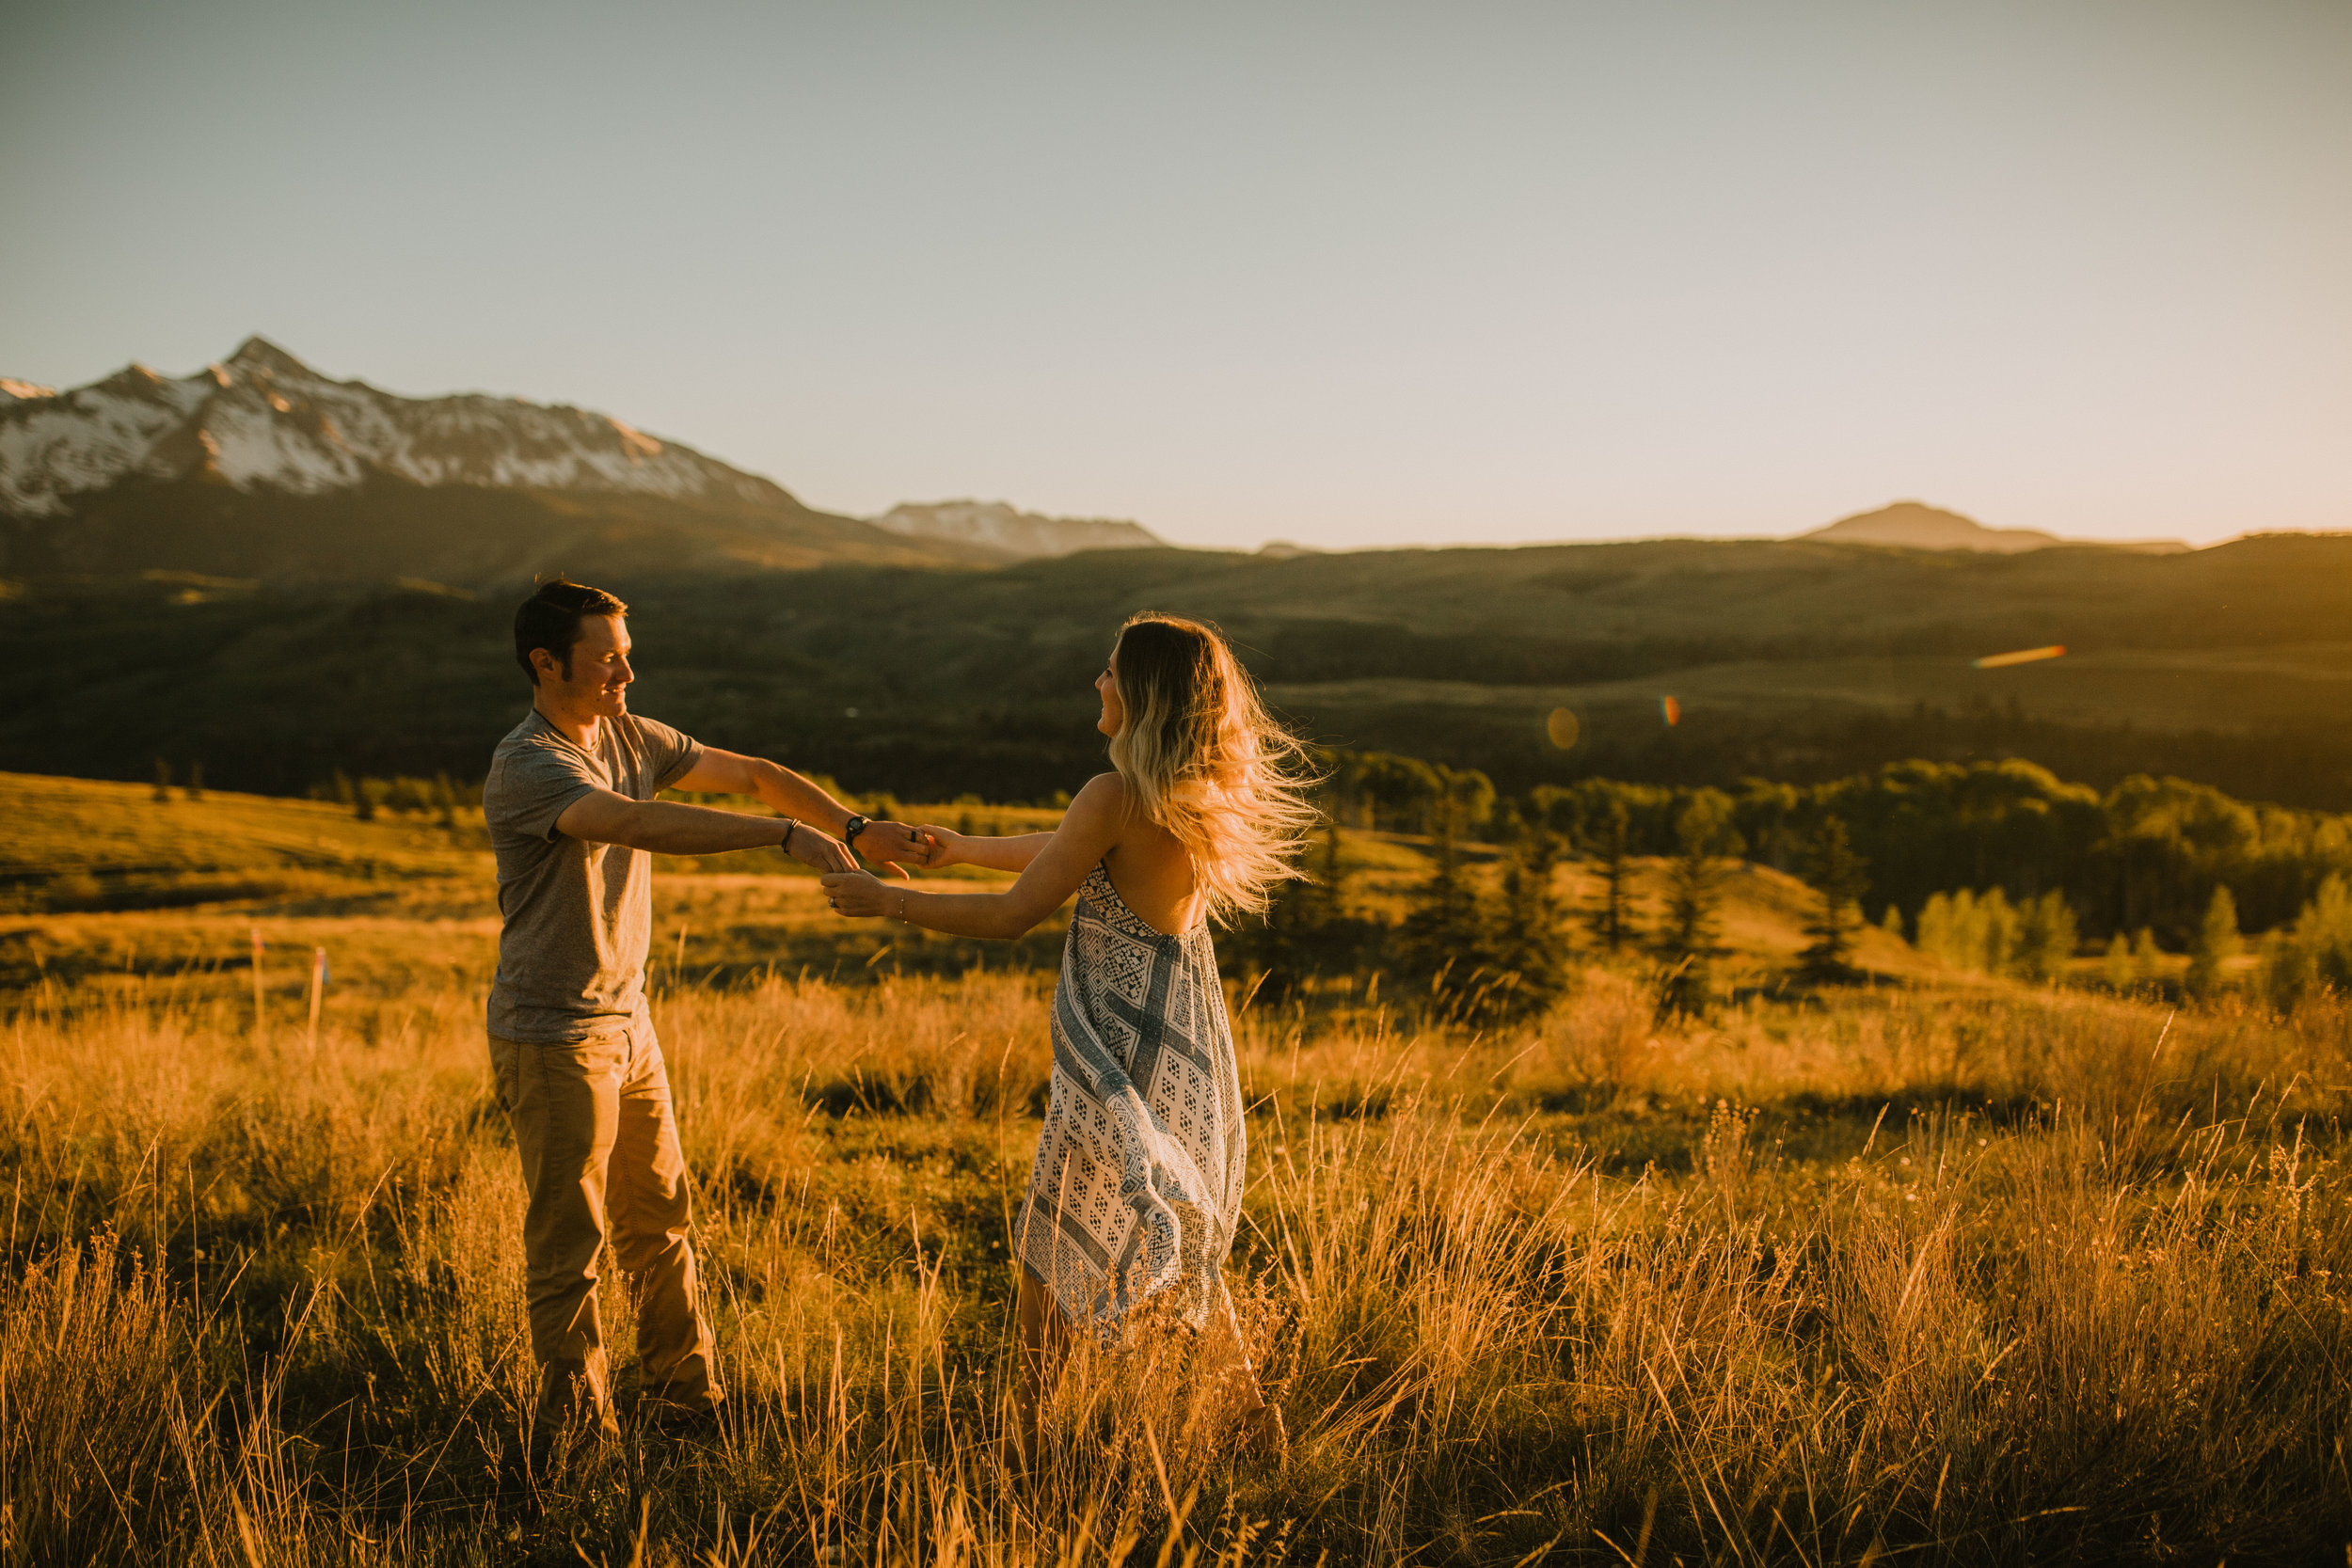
895,845
858,896
945,846
812,848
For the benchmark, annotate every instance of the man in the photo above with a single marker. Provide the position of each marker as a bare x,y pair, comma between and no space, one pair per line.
573,821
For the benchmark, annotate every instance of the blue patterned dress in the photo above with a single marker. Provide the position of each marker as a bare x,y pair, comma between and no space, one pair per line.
1137,1187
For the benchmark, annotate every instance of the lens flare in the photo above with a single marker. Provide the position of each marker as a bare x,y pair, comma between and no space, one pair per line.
1669,710
2023,656
1561,725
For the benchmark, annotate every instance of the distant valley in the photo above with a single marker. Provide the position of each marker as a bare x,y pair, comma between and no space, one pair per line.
1795,660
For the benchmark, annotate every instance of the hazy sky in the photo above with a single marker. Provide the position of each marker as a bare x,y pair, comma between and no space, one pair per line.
1360,273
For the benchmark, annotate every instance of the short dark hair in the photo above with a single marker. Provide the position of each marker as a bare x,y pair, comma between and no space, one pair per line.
550,619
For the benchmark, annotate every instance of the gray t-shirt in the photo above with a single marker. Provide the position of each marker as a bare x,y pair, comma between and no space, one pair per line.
579,916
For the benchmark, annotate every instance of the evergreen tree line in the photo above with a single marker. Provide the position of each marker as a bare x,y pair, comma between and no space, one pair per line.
2031,939
1998,867
1495,949
1473,951
440,797
2147,853
1995,867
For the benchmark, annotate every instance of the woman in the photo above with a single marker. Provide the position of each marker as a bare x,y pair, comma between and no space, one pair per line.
1137,1186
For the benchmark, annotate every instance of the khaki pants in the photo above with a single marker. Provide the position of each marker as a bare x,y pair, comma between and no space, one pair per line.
600,1159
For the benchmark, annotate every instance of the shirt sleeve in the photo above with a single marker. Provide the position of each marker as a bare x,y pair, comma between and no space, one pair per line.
532,786
669,754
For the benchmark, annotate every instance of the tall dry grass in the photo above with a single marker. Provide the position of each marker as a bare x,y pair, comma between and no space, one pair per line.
1960,1276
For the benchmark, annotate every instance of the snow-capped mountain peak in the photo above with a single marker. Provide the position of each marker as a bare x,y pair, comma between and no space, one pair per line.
263,419
998,525
257,356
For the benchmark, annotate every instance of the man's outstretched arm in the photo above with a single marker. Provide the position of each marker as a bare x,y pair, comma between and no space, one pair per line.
718,772
783,790
669,827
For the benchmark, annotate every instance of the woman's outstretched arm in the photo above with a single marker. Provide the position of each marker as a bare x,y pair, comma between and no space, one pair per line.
949,848
1054,870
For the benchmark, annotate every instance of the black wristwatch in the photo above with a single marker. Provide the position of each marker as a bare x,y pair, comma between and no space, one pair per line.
854,826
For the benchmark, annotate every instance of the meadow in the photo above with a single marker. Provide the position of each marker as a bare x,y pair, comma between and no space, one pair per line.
1931,1267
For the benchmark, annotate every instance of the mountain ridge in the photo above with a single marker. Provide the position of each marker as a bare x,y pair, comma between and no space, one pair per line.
1000,525
263,416
260,458
259,463
1916,525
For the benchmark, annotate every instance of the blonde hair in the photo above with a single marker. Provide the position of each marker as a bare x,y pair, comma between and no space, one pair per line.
1201,758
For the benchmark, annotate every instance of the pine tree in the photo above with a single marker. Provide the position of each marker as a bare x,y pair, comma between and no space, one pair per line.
1330,877
1997,924
2218,942
2046,937
1841,877
1400,787
1610,920
1310,903
356,794
162,780
196,780
445,796
2120,971
2147,957
1694,893
1305,932
1936,933
1529,948
1443,939
1466,797
2313,956
1893,922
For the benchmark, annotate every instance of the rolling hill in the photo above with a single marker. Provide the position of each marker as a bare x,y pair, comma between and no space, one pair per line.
1794,659
1915,526
101,878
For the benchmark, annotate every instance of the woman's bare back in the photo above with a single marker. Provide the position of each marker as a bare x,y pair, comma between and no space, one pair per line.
1154,875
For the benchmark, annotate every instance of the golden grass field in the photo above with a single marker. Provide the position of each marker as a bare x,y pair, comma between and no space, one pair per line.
1935,1269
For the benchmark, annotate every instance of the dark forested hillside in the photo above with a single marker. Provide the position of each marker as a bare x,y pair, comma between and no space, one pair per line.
1798,660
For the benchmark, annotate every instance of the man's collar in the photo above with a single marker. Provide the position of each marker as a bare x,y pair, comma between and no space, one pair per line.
554,729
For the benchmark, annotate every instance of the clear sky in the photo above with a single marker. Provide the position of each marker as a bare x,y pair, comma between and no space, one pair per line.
1347,273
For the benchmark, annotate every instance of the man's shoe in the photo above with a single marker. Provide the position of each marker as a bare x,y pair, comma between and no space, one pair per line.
561,1450
676,1421
573,1422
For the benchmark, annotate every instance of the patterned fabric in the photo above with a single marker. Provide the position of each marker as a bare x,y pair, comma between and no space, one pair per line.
1136,1186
